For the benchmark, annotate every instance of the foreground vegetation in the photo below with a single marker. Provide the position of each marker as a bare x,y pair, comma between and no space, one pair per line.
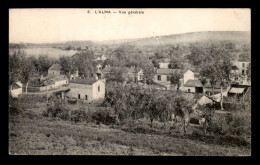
61,128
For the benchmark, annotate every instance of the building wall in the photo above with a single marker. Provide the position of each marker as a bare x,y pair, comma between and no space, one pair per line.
240,66
53,72
164,64
186,89
140,76
60,83
101,93
163,78
188,75
82,89
16,92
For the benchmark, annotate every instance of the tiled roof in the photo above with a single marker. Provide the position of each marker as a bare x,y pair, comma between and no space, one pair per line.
166,71
236,90
193,83
88,81
55,67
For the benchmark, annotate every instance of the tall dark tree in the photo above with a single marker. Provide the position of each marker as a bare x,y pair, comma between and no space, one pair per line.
175,80
68,66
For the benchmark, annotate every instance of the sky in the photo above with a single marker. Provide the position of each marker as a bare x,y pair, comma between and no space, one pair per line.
59,25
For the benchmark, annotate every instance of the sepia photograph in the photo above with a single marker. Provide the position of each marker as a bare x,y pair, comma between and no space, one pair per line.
129,81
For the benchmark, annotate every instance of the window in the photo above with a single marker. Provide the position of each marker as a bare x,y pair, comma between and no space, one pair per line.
52,72
243,72
159,77
99,88
189,90
243,64
86,97
78,96
168,78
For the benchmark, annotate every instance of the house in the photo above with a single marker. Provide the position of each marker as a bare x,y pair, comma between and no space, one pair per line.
132,73
86,89
164,63
192,86
238,91
54,70
163,74
56,81
242,66
188,75
101,58
17,88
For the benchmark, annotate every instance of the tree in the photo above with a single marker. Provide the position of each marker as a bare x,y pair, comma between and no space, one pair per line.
223,69
208,113
44,63
151,107
68,66
148,71
155,63
175,80
14,68
209,71
175,64
116,75
28,69
203,81
85,64
182,108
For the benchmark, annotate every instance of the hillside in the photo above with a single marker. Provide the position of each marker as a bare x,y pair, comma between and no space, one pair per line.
195,37
234,36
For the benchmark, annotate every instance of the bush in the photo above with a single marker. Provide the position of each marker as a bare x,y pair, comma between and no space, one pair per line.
14,107
57,108
79,116
105,116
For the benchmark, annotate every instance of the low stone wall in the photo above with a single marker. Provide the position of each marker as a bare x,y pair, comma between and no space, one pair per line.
43,88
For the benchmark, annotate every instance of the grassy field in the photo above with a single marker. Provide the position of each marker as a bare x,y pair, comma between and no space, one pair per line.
34,134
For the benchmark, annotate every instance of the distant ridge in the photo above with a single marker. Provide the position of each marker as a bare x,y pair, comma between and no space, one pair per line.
235,36
203,36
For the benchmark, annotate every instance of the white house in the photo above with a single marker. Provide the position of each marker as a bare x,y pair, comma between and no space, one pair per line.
17,88
164,63
164,74
101,58
56,81
242,66
86,89
188,75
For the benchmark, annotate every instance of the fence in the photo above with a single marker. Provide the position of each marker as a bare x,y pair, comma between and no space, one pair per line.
43,88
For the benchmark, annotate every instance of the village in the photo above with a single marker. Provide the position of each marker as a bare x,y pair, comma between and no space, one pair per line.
92,89
130,82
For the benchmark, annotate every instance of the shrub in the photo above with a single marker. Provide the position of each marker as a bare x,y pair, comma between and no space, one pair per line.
79,116
105,116
14,107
